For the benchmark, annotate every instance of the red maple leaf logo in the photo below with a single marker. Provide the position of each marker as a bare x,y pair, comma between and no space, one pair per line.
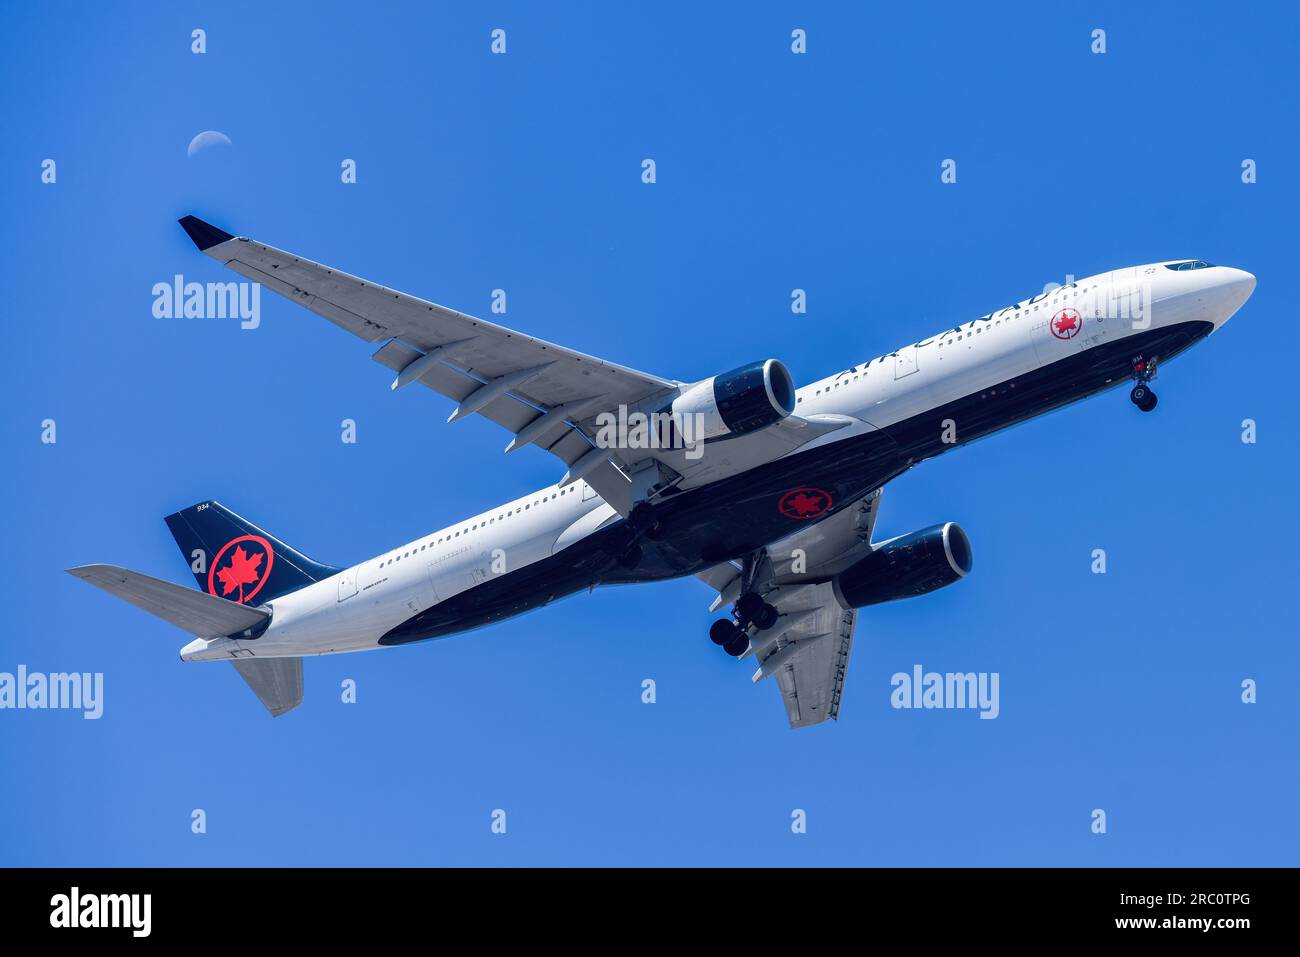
1066,323
241,571
805,504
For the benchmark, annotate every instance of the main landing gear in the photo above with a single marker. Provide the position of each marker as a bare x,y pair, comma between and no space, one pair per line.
750,610
1144,370
733,633
730,636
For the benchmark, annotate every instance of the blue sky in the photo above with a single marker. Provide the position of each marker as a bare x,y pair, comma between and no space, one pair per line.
775,171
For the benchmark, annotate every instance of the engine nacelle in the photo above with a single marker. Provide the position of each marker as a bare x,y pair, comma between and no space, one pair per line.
740,401
909,565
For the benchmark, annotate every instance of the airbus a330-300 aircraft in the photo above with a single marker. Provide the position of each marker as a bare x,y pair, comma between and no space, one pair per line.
766,492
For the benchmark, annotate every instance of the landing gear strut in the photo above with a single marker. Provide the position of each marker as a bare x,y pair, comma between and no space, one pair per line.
1144,370
751,608
749,611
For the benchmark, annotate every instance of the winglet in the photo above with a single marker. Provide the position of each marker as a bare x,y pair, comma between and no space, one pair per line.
205,235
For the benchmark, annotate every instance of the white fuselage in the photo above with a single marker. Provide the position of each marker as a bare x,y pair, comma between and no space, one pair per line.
353,609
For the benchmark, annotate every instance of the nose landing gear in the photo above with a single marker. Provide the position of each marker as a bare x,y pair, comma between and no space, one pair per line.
1143,397
1144,370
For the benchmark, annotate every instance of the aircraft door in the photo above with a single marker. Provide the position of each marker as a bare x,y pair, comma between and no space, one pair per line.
347,584
904,362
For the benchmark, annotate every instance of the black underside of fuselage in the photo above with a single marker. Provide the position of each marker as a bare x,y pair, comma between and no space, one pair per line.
734,516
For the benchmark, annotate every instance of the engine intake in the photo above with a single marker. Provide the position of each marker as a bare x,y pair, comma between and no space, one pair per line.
741,401
912,564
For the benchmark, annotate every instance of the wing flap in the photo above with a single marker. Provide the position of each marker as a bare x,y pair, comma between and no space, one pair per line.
810,661
507,412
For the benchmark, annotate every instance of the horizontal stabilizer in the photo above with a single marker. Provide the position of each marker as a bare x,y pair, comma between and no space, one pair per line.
205,616
276,681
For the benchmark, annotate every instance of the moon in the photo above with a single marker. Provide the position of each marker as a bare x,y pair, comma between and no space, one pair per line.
206,139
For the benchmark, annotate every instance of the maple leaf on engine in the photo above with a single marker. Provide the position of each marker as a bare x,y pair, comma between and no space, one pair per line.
241,571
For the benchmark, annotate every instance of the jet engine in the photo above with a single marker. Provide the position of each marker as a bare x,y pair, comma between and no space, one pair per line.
912,564
738,402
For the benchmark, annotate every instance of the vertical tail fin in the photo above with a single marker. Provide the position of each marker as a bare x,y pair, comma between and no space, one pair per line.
233,558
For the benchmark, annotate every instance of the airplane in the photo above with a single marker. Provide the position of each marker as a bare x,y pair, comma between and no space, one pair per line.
766,492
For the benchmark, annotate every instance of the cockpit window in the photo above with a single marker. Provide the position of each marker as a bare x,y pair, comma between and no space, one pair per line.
1189,264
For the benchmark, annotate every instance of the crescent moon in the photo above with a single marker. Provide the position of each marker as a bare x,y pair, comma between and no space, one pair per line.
206,139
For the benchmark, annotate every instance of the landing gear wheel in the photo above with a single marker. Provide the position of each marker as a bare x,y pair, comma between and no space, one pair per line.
750,605
767,617
738,644
722,631
1144,370
1143,397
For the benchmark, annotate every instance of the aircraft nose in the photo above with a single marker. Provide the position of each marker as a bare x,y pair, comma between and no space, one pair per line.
1232,291
1241,281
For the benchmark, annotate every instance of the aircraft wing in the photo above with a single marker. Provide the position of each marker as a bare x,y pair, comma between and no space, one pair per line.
807,651
537,390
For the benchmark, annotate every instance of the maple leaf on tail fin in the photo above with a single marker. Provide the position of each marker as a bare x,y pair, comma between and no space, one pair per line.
241,571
